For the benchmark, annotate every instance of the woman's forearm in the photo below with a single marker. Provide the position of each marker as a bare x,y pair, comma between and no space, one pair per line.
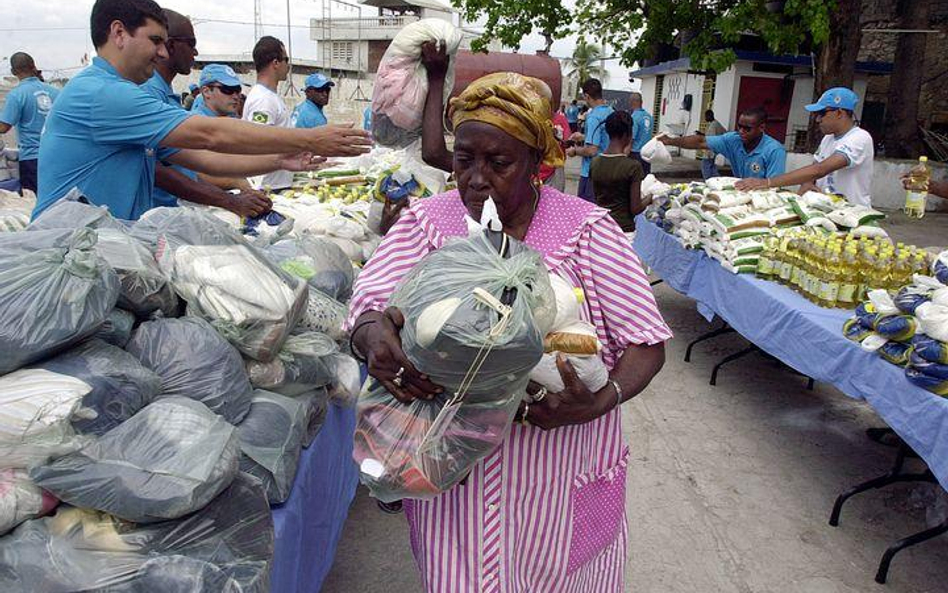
636,368
434,150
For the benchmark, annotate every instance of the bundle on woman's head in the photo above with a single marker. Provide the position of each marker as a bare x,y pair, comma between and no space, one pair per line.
475,319
517,104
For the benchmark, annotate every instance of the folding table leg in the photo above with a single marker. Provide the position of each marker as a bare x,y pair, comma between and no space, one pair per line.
724,329
909,541
889,478
714,372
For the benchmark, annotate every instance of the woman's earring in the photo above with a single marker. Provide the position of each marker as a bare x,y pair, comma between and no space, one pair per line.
536,181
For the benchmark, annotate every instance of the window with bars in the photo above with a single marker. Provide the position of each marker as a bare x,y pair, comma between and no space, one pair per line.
342,51
657,105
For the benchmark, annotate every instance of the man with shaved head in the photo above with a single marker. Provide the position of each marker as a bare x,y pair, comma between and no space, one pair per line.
26,107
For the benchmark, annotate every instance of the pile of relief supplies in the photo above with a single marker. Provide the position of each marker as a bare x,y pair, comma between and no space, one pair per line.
158,380
731,226
909,328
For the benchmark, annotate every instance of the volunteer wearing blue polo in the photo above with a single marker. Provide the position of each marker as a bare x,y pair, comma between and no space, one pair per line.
749,150
844,161
223,88
309,113
641,130
26,107
595,139
104,130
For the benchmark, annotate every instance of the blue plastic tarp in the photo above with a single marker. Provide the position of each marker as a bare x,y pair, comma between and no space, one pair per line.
309,524
806,337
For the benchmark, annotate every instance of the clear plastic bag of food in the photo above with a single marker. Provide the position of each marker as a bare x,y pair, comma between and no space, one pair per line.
36,409
72,212
318,261
271,437
117,328
54,291
325,315
194,361
211,267
304,363
474,323
145,288
121,386
226,547
170,459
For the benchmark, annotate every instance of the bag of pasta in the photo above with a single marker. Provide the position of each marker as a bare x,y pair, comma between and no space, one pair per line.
476,312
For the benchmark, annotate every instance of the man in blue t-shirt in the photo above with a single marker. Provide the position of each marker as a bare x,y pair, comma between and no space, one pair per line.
751,152
595,139
173,181
309,113
26,107
572,116
641,130
104,131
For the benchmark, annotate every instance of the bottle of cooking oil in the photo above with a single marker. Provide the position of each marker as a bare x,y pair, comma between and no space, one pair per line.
787,262
829,285
816,270
765,263
848,279
917,188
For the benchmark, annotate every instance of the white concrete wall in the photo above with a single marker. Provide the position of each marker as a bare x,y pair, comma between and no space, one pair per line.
887,192
648,93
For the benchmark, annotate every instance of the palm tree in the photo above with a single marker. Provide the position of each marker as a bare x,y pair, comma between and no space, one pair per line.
586,62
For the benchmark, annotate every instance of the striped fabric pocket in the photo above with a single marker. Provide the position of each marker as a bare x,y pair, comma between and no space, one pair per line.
598,511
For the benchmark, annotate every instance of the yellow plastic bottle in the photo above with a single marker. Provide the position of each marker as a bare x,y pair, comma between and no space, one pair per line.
829,286
765,263
917,188
848,279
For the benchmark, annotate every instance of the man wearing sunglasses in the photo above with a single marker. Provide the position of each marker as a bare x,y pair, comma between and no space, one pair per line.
220,91
105,133
309,113
843,163
750,150
264,106
173,181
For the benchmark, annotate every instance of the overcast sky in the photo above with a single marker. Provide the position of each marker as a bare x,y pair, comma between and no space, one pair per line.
55,32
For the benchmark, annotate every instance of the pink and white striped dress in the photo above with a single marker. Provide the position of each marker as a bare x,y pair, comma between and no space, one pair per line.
546,511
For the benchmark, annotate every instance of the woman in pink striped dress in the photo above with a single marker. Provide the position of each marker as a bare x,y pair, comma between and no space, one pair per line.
546,511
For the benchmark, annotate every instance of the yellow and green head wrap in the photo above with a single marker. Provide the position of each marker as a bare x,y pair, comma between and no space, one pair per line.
517,104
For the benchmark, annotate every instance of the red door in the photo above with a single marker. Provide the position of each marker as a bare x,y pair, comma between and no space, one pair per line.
774,95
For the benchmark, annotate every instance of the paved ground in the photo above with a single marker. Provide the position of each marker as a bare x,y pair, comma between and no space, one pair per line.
730,487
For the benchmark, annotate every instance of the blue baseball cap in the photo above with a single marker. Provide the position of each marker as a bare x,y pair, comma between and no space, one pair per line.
193,87
836,98
318,81
219,73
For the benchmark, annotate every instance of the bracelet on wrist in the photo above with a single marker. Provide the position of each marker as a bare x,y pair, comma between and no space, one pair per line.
352,347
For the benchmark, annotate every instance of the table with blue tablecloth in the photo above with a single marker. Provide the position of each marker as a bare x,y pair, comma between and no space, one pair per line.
804,336
308,525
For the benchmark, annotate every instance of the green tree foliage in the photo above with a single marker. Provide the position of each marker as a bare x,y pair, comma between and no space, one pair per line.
586,63
639,27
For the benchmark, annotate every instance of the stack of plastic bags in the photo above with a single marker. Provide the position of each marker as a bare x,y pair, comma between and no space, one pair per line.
224,547
401,84
476,311
165,462
58,273
211,267
909,330
731,225
119,386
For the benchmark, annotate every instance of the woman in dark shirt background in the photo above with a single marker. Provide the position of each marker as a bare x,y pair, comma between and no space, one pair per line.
616,178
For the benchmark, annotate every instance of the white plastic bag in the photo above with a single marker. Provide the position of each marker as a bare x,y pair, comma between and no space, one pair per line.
20,499
401,84
656,153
